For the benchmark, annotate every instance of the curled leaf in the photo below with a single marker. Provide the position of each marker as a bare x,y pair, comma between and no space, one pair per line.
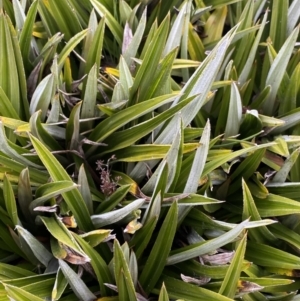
246,287
218,259
69,221
133,226
53,208
74,257
199,281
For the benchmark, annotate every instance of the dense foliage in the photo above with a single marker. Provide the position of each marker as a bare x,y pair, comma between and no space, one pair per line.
149,150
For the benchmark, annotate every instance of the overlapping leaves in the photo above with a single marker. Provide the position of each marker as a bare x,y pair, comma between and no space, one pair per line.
149,151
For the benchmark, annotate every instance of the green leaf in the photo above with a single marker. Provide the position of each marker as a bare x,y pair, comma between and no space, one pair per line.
290,120
88,106
61,233
117,101
197,86
199,161
181,290
110,21
131,49
210,166
64,14
73,128
281,148
59,285
25,194
24,112
99,265
37,176
9,79
234,116
30,283
8,271
160,251
10,201
146,152
6,107
289,102
243,77
112,123
70,46
127,137
58,173
246,169
278,31
146,71
80,10
230,282
19,15
78,286
259,100
17,293
268,256
195,45
173,158
288,190
174,37
48,53
14,151
205,247
122,275
293,16
126,79
25,40
85,189
212,28
42,96
162,76
39,251
125,13
276,205
282,174
193,267
271,121
185,38
12,240
113,200
142,237
50,190
188,199
277,70
133,267
95,237
163,294
211,223
111,217
267,282
154,207
95,48
261,234
198,164
92,26
202,79
282,232
41,132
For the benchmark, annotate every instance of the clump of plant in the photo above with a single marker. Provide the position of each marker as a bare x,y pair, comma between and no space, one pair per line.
149,151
